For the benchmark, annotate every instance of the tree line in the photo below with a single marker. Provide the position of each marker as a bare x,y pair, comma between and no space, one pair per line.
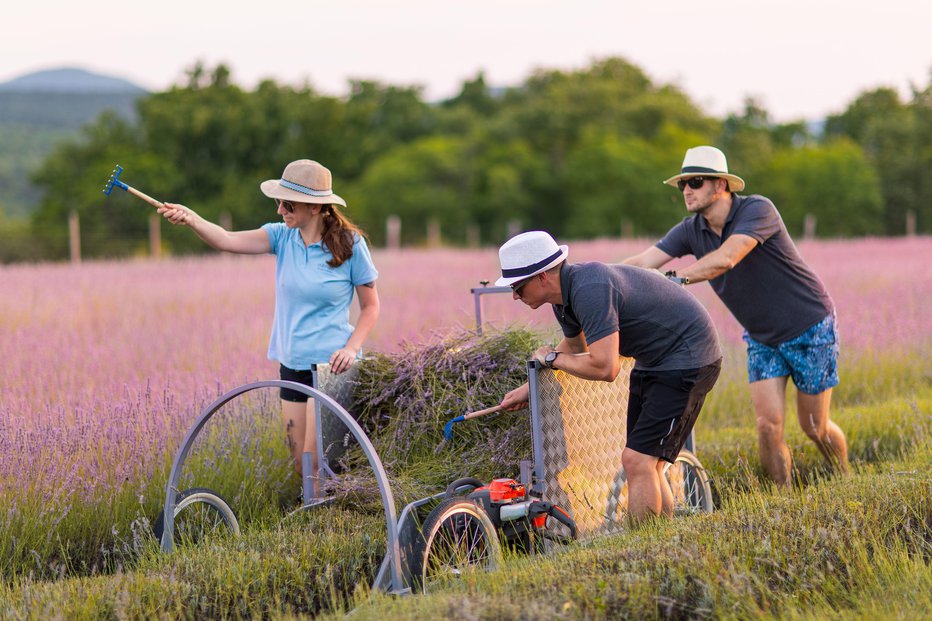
578,153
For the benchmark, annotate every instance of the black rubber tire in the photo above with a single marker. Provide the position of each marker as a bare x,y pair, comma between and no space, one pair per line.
199,512
689,481
457,536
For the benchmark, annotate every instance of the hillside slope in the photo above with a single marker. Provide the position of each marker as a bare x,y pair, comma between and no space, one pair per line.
40,109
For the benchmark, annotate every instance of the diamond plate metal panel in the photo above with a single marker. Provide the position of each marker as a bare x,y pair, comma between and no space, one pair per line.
583,429
341,388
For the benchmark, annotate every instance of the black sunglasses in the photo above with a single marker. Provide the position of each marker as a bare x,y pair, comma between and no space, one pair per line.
288,205
693,182
516,286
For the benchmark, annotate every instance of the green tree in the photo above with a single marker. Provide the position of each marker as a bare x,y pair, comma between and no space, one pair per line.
475,96
747,140
895,135
73,178
617,182
574,152
834,182
510,184
428,179
922,109
379,117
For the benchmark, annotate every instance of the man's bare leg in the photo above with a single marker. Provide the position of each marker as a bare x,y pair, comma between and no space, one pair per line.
666,494
769,399
644,496
814,419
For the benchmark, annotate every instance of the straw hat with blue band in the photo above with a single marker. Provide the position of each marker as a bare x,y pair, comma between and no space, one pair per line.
707,162
529,254
304,181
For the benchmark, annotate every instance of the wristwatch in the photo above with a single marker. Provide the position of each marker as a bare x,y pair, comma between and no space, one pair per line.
550,357
680,280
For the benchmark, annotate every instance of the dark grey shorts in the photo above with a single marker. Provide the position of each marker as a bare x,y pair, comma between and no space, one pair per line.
663,407
291,375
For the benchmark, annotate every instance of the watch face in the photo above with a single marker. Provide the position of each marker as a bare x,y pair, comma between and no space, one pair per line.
549,358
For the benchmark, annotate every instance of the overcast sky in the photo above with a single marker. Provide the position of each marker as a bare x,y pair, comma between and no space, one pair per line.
800,58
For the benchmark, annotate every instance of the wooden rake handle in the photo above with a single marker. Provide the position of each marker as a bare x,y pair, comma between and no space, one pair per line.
448,428
479,413
144,196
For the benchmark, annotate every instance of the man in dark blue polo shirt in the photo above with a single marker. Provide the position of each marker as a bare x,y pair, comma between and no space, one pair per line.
743,249
607,310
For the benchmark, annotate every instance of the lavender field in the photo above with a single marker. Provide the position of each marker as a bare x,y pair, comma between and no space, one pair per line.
104,365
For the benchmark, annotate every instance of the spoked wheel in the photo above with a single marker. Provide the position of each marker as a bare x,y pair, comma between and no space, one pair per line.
199,513
457,536
690,484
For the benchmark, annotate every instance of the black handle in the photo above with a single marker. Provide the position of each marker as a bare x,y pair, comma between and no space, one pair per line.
541,508
455,485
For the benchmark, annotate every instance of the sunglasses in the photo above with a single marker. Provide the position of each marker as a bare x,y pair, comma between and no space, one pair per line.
288,205
693,182
517,286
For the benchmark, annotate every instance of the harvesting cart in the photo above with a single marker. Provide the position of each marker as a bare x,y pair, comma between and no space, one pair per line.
572,487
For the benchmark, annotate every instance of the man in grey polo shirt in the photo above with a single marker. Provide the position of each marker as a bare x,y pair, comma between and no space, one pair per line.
607,310
743,249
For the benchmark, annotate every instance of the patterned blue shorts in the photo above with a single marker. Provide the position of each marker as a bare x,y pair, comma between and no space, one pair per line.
811,358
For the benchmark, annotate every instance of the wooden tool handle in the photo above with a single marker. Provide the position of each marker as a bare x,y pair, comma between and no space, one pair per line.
479,413
144,197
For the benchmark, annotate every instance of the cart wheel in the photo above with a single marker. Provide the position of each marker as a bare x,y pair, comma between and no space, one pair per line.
456,536
199,513
690,484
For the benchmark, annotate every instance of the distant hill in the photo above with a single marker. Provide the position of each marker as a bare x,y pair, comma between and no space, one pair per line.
40,109
69,80
65,98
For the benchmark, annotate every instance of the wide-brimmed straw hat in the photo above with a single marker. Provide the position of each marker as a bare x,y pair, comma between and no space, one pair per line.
304,181
707,162
528,254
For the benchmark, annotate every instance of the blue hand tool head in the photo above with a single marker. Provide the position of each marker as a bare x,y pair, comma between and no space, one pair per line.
114,180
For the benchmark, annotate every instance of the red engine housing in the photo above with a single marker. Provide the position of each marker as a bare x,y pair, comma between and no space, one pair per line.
505,490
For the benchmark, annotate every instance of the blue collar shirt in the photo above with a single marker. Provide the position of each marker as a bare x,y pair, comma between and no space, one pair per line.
312,299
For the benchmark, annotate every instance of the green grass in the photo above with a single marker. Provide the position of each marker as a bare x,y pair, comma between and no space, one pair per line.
832,547
240,455
840,547
308,562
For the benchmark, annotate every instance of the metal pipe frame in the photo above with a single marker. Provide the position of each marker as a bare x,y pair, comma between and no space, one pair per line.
388,501
477,293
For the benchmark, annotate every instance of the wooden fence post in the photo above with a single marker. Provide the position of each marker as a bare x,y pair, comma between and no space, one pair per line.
433,233
155,236
472,236
393,232
910,223
809,225
74,236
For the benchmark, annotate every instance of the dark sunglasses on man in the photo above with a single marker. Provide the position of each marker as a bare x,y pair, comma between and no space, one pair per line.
516,286
693,182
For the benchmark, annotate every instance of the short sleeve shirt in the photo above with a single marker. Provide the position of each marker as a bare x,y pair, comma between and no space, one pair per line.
659,324
312,299
772,292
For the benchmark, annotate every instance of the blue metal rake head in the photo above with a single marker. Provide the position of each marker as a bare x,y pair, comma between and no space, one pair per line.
448,428
114,180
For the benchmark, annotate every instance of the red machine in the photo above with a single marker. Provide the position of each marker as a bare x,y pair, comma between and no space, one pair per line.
520,518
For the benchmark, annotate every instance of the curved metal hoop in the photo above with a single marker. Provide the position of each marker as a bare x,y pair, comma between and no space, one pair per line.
388,501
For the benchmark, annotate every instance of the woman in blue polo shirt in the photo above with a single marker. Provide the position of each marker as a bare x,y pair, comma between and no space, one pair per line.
322,259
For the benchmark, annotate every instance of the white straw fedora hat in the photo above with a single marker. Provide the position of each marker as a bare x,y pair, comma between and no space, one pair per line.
304,181
528,254
707,162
